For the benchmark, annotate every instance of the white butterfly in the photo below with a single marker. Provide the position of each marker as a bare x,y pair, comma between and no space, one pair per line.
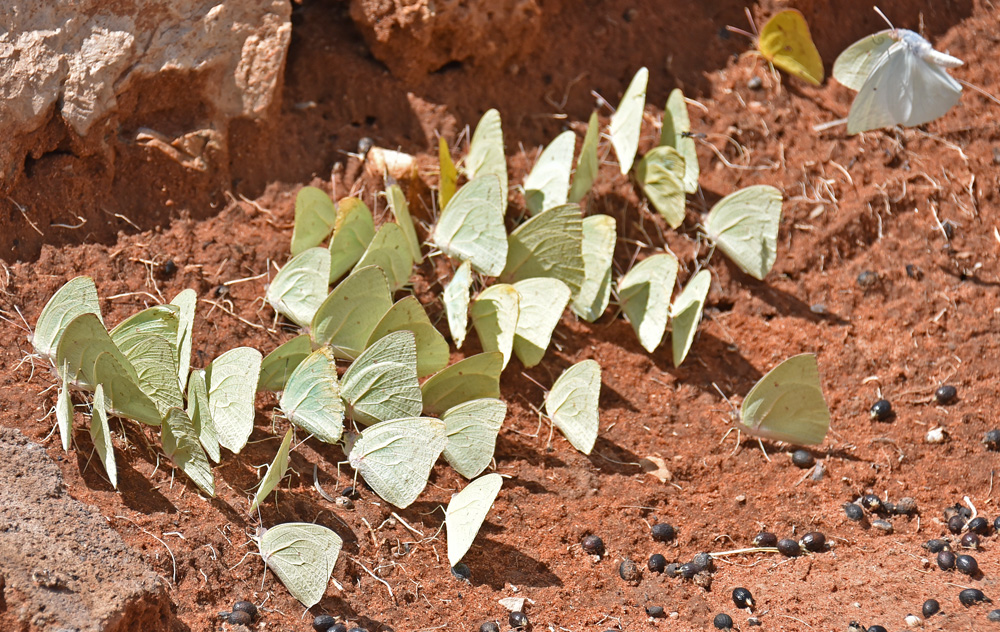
900,78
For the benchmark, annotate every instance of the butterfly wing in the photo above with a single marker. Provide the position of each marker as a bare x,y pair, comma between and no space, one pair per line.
785,41
744,225
885,99
934,92
626,122
787,404
856,63
572,404
466,512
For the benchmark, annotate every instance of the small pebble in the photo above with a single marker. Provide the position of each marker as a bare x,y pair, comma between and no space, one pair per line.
489,626
854,512
663,532
657,563
628,571
789,547
914,272
247,607
655,611
936,546
742,598
803,459
358,629
703,580
881,410
238,617
754,621
970,540
755,83
461,571
882,525
971,596
168,269
517,620
994,616
979,525
930,608
365,145
813,541
946,560
593,545
936,436
818,472
945,394
867,279
906,506
992,440
324,622
344,502
673,569
949,229
765,539
996,524
723,621
967,564
956,524
913,621
854,626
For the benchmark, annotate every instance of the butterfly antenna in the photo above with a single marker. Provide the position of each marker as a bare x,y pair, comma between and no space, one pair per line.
879,11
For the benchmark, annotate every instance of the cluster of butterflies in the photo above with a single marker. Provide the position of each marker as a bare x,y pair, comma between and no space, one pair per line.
899,77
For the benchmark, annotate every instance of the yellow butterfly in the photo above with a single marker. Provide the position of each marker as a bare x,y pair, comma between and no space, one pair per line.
785,42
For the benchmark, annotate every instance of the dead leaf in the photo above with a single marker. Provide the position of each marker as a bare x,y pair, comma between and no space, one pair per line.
657,467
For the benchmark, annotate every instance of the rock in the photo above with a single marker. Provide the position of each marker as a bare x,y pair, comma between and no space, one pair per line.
84,83
418,37
63,566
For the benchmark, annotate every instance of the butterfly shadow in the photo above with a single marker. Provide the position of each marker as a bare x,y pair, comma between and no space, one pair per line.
711,362
609,457
495,564
137,492
339,607
783,302
510,446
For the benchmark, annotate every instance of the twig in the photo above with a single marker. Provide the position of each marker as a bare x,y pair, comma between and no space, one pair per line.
409,528
375,577
173,561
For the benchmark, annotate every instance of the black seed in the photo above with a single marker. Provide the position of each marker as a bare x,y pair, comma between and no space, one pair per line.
663,532
789,547
906,506
221,290
364,145
517,620
882,525
803,459
628,571
753,621
956,524
461,571
687,571
971,596
813,541
994,616
742,598
338,627
247,607
593,545
930,608
946,560
877,628
489,626
238,617
703,562
970,540
673,569
992,440
979,525
755,83
854,512
881,410
657,563
168,269
945,394
888,507
867,279
949,229
936,546
350,492
764,539
871,502
655,611
854,626
323,622
963,511
967,564
996,524
723,621
914,272
357,630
